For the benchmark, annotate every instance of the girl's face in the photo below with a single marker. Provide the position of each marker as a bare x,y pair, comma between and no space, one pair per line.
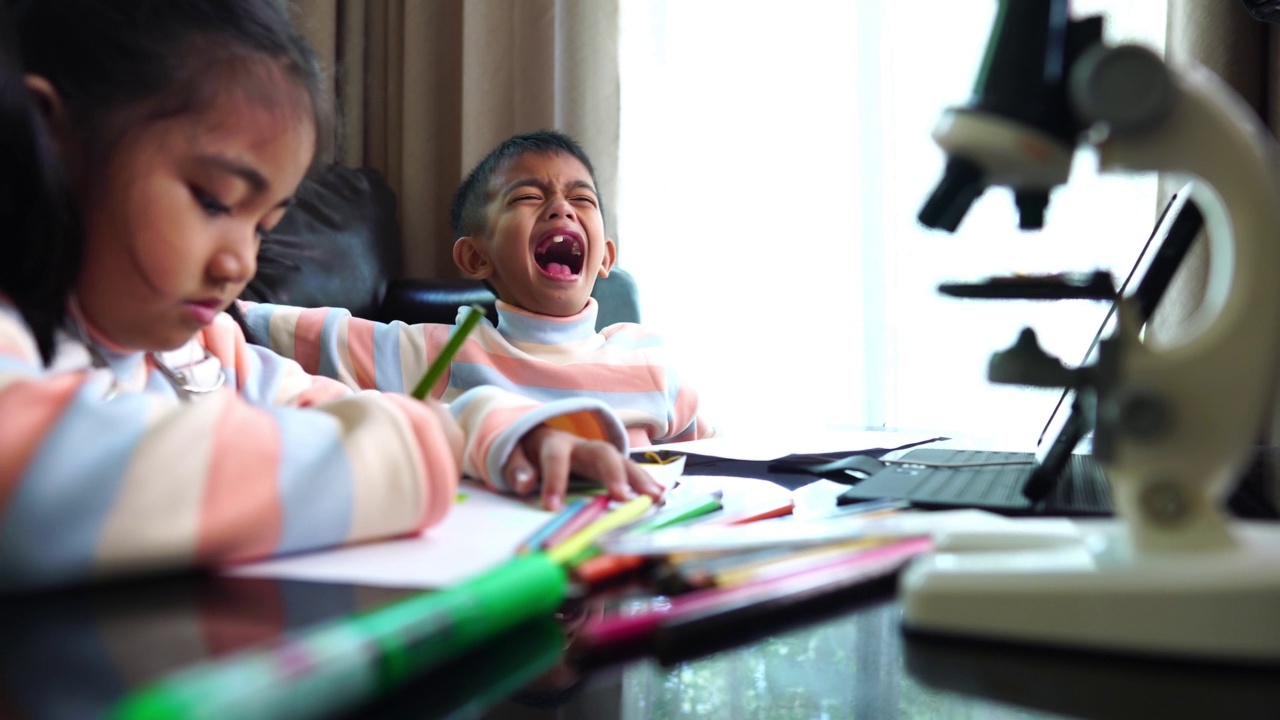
174,216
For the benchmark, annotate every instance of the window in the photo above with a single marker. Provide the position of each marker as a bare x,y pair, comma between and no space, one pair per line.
774,157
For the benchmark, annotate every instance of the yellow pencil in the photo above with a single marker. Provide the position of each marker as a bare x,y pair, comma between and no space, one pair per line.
571,548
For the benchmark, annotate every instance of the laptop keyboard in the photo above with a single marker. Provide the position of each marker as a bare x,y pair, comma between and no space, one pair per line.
1082,491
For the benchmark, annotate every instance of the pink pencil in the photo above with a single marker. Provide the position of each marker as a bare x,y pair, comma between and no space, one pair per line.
584,517
623,631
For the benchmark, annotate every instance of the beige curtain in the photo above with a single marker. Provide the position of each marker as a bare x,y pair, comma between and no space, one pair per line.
1222,36
424,88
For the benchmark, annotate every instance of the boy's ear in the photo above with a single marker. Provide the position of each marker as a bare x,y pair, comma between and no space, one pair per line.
470,257
49,102
610,257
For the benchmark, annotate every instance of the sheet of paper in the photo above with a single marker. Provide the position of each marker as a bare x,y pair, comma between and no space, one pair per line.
740,494
480,532
784,440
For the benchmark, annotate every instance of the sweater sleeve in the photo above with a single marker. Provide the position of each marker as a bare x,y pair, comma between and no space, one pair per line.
96,483
685,421
494,420
361,354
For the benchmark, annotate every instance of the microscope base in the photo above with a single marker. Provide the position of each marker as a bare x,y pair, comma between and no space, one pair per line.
1096,594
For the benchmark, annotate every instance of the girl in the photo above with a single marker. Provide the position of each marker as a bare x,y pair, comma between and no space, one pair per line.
138,430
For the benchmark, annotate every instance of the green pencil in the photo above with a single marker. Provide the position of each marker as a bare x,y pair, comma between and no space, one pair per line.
697,507
441,362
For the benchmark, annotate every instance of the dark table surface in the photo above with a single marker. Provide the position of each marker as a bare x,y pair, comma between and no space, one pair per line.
74,653
71,654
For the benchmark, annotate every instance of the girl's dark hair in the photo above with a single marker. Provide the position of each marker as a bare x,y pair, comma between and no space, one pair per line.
40,240
118,63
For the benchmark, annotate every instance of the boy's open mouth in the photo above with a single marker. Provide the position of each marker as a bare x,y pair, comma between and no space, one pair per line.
560,255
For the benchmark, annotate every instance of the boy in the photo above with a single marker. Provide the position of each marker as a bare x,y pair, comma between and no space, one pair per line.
527,222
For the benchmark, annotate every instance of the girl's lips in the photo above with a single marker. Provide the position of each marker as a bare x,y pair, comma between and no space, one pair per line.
203,313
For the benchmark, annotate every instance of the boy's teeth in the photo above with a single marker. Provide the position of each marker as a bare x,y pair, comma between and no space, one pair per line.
576,250
558,238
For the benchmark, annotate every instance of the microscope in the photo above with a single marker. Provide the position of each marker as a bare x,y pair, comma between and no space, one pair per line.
1172,575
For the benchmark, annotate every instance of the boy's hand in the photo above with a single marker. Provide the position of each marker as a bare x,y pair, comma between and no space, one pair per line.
548,456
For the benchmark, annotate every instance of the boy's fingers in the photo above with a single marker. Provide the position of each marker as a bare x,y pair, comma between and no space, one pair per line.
603,463
520,474
643,482
553,463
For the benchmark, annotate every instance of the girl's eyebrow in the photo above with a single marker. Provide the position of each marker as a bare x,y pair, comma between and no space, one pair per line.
257,182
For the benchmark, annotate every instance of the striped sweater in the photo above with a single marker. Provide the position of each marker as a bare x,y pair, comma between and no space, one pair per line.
541,357
107,467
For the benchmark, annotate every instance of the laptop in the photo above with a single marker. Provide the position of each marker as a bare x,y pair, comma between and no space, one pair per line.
1055,479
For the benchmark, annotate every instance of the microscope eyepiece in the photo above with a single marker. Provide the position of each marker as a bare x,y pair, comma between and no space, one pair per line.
961,184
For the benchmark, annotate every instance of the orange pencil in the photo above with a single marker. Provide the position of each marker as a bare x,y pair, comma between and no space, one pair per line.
603,568
754,514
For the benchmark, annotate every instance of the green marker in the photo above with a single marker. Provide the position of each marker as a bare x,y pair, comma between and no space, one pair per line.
437,367
340,663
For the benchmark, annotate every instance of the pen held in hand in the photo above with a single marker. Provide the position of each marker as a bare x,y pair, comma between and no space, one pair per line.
441,362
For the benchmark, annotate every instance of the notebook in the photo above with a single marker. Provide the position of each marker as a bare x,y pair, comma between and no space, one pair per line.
1054,480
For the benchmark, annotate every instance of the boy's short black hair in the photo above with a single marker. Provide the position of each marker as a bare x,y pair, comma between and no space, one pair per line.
467,216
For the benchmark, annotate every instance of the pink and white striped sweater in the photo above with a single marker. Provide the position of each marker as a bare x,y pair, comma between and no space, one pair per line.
539,356
112,469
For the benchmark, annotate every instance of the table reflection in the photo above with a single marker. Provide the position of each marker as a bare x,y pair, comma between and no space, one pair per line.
73,654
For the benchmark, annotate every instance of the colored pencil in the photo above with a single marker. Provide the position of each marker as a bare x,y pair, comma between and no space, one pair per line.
623,633
598,569
791,598
683,512
627,513
535,540
727,570
605,568
441,362
756,514
587,514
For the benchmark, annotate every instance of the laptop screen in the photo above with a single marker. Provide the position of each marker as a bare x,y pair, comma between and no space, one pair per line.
1176,229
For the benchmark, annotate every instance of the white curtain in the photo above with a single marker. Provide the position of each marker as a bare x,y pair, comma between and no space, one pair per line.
772,162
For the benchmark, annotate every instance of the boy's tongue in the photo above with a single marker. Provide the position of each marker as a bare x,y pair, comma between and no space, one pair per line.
557,270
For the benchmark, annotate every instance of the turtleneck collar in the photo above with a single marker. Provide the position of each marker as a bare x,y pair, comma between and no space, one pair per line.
519,325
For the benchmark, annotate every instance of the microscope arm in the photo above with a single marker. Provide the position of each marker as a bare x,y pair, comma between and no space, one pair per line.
1175,424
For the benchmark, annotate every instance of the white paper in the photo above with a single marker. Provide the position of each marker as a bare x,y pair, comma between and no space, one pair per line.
479,532
782,440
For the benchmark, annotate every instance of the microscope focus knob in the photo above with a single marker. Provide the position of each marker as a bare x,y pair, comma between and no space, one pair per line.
1127,87
1141,413
1026,363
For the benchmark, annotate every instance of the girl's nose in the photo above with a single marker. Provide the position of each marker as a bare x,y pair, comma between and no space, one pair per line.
234,262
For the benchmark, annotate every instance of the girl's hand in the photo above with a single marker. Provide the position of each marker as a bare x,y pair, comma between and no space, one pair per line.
548,456
452,430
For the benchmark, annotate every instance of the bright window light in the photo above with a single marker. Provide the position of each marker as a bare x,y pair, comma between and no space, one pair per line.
774,157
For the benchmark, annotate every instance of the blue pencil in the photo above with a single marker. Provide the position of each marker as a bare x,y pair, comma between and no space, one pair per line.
534,541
